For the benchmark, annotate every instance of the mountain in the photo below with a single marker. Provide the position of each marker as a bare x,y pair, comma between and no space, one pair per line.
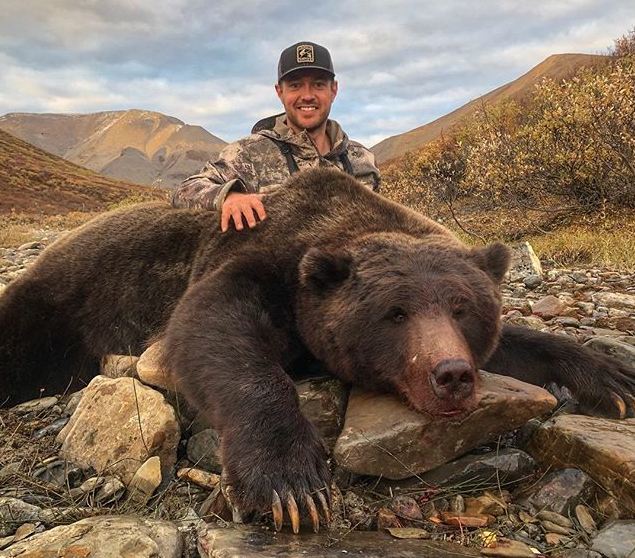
34,181
556,67
133,145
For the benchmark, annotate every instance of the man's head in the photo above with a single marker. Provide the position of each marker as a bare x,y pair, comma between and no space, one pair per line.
306,85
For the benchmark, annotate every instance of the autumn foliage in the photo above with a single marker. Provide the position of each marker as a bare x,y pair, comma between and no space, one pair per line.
569,150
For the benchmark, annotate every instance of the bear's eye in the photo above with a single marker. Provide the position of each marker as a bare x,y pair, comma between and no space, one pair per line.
396,315
459,308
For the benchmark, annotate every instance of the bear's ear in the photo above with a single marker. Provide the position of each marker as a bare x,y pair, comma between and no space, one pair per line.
324,268
493,260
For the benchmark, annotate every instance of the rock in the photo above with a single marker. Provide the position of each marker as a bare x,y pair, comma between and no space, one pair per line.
406,507
118,425
111,491
532,281
146,480
383,437
615,300
202,450
149,369
524,262
548,307
519,304
14,512
119,366
560,491
251,542
323,402
603,448
54,428
199,477
532,322
73,401
482,470
104,537
577,553
35,405
59,473
557,539
614,347
616,540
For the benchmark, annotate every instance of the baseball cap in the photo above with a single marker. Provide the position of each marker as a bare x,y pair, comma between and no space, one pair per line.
304,55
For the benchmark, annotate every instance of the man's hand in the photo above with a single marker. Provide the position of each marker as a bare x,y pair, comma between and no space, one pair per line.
237,205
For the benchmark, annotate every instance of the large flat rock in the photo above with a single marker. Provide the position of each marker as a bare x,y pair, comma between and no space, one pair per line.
383,437
103,537
248,542
602,448
118,425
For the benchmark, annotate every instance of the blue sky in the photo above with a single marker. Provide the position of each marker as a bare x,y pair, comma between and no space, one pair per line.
399,64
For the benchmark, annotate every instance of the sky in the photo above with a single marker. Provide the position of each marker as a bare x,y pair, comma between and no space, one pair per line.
399,64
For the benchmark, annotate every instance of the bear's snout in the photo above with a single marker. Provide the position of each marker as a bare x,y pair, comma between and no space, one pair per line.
453,378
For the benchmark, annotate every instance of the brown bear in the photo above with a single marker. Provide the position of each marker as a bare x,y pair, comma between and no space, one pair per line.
385,298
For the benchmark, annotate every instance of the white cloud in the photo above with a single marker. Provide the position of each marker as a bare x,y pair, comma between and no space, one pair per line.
400,64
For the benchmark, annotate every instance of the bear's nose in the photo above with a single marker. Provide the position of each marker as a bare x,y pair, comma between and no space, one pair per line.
453,378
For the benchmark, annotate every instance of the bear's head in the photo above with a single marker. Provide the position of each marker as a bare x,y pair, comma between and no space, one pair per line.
391,313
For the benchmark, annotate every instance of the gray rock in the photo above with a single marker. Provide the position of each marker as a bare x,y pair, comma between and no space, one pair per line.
615,300
14,512
110,491
532,281
118,425
250,542
202,450
561,491
54,428
59,473
105,537
383,437
524,262
617,540
35,405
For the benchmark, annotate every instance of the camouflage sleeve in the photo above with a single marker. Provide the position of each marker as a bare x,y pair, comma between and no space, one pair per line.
231,172
364,167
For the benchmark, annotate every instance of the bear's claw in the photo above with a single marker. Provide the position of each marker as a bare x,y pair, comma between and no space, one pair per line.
294,515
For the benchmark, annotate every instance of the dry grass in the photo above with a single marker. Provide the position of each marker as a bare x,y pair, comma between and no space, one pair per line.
18,228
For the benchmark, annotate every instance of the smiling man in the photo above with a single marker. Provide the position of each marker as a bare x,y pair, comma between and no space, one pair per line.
300,138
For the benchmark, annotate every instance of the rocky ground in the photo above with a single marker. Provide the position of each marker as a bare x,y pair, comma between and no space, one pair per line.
125,468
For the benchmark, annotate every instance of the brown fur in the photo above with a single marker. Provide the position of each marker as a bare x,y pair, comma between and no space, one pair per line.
384,297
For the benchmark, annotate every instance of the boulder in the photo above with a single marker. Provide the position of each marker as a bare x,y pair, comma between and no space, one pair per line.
603,448
383,437
104,537
119,424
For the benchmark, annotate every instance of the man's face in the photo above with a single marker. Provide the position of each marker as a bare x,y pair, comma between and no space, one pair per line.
307,96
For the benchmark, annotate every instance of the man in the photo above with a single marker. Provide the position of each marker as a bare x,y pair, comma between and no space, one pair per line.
302,137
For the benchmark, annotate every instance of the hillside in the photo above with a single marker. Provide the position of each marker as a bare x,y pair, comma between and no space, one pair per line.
556,67
35,182
134,145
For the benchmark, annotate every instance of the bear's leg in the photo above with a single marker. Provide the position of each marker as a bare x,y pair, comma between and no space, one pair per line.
40,352
602,384
224,344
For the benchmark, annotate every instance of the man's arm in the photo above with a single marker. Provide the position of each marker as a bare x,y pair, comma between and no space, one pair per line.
228,185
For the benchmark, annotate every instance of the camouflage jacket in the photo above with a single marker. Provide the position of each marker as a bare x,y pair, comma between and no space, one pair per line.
256,164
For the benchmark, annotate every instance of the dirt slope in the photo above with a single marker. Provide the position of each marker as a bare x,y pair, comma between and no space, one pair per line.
33,181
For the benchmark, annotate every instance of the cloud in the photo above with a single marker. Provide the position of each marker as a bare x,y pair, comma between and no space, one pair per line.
400,64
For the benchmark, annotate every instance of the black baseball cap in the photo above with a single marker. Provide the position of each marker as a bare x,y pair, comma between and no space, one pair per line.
304,55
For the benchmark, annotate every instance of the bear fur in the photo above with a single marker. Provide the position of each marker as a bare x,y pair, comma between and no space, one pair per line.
383,297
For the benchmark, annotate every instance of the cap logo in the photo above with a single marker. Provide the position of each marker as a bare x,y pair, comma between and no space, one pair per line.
304,53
